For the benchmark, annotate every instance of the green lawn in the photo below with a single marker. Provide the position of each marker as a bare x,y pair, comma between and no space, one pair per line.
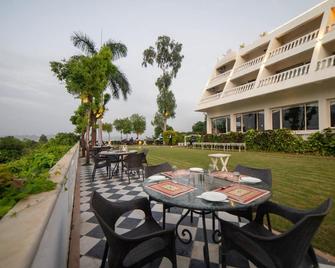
301,181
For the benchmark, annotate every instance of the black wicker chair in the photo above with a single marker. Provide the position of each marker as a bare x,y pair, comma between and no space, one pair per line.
145,153
146,244
266,176
101,162
287,250
134,164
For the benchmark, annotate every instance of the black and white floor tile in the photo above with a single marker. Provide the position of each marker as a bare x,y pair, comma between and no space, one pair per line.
92,239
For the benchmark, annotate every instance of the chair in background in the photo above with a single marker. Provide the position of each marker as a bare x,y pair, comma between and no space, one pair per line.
263,174
138,247
133,164
289,249
145,152
101,162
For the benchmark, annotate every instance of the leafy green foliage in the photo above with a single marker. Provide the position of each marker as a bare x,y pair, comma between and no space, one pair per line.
170,133
29,174
199,127
280,140
138,124
43,139
167,55
10,148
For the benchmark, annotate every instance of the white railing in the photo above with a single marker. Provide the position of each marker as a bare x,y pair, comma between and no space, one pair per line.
240,89
326,63
211,97
220,76
295,43
330,28
283,76
250,63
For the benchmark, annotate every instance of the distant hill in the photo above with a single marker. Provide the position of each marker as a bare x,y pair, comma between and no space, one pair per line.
29,137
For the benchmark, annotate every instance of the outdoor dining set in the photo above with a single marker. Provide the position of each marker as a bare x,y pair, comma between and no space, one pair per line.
245,192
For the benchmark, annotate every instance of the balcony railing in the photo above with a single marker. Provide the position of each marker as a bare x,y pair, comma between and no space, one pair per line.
295,43
326,63
330,28
287,75
240,89
211,97
221,76
250,63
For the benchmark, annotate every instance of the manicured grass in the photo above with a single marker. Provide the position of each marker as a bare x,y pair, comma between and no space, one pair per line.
300,181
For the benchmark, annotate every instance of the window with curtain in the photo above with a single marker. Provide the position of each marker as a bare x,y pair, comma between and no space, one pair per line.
275,119
221,125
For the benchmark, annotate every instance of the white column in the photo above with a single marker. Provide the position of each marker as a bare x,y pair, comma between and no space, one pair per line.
267,119
233,122
209,125
324,114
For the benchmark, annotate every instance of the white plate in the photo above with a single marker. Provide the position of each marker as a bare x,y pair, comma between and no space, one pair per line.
213,196
250,180
196,169
155,178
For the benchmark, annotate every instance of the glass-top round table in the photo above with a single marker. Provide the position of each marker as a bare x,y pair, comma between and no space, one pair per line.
202,182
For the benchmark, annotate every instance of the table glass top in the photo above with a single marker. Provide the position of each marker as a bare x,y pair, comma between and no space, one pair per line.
203,183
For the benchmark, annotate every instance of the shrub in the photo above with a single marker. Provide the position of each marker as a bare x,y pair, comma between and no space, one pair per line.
10,149
65,139
322,143
166,137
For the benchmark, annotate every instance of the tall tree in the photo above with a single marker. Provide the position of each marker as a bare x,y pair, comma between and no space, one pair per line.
87,77
118,126
167,56
199,127
117,81
127,126
138,123
108,127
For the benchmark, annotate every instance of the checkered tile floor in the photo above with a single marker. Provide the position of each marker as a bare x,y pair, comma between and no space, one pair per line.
92,239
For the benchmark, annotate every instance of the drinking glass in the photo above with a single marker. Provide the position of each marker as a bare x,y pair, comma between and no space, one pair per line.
237,176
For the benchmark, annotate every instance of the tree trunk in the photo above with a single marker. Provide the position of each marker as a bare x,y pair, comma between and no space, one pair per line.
109,137
165,124
87,144
82,143
100,132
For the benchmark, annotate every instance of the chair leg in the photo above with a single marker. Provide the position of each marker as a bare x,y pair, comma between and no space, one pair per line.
164,215
191,219
213,221
222,256
312,255
268,221
93,174
104,257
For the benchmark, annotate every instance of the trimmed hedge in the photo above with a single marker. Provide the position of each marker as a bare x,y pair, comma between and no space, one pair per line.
280,140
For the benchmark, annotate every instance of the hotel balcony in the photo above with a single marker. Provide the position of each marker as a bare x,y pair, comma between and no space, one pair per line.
239,89
249,66
284,76
328,62
294,47
219,79
210,98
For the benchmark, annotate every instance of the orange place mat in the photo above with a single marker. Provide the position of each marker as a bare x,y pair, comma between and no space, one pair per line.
223,175
177,173
242,193
170,188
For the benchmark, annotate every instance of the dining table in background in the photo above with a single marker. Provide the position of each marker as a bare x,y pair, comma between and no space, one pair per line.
119,154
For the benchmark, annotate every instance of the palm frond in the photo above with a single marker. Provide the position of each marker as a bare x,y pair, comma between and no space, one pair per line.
118,83
83,42
118,49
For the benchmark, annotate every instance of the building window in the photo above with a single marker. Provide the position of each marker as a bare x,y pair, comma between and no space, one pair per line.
221,125
300,117
238,123
312,116
294,118
252,120
275,119
332,113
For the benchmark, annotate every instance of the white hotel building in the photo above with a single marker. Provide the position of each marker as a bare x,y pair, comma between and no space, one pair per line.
285,79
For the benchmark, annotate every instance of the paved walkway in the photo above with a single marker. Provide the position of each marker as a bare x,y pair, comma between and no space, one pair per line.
92,239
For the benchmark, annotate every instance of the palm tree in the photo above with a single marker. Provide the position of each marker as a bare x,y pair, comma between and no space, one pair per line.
118,82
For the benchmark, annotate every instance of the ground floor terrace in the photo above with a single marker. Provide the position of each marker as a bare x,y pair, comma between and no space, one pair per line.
304,109
296,182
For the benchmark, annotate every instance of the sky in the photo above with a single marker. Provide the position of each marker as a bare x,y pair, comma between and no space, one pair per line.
33,33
